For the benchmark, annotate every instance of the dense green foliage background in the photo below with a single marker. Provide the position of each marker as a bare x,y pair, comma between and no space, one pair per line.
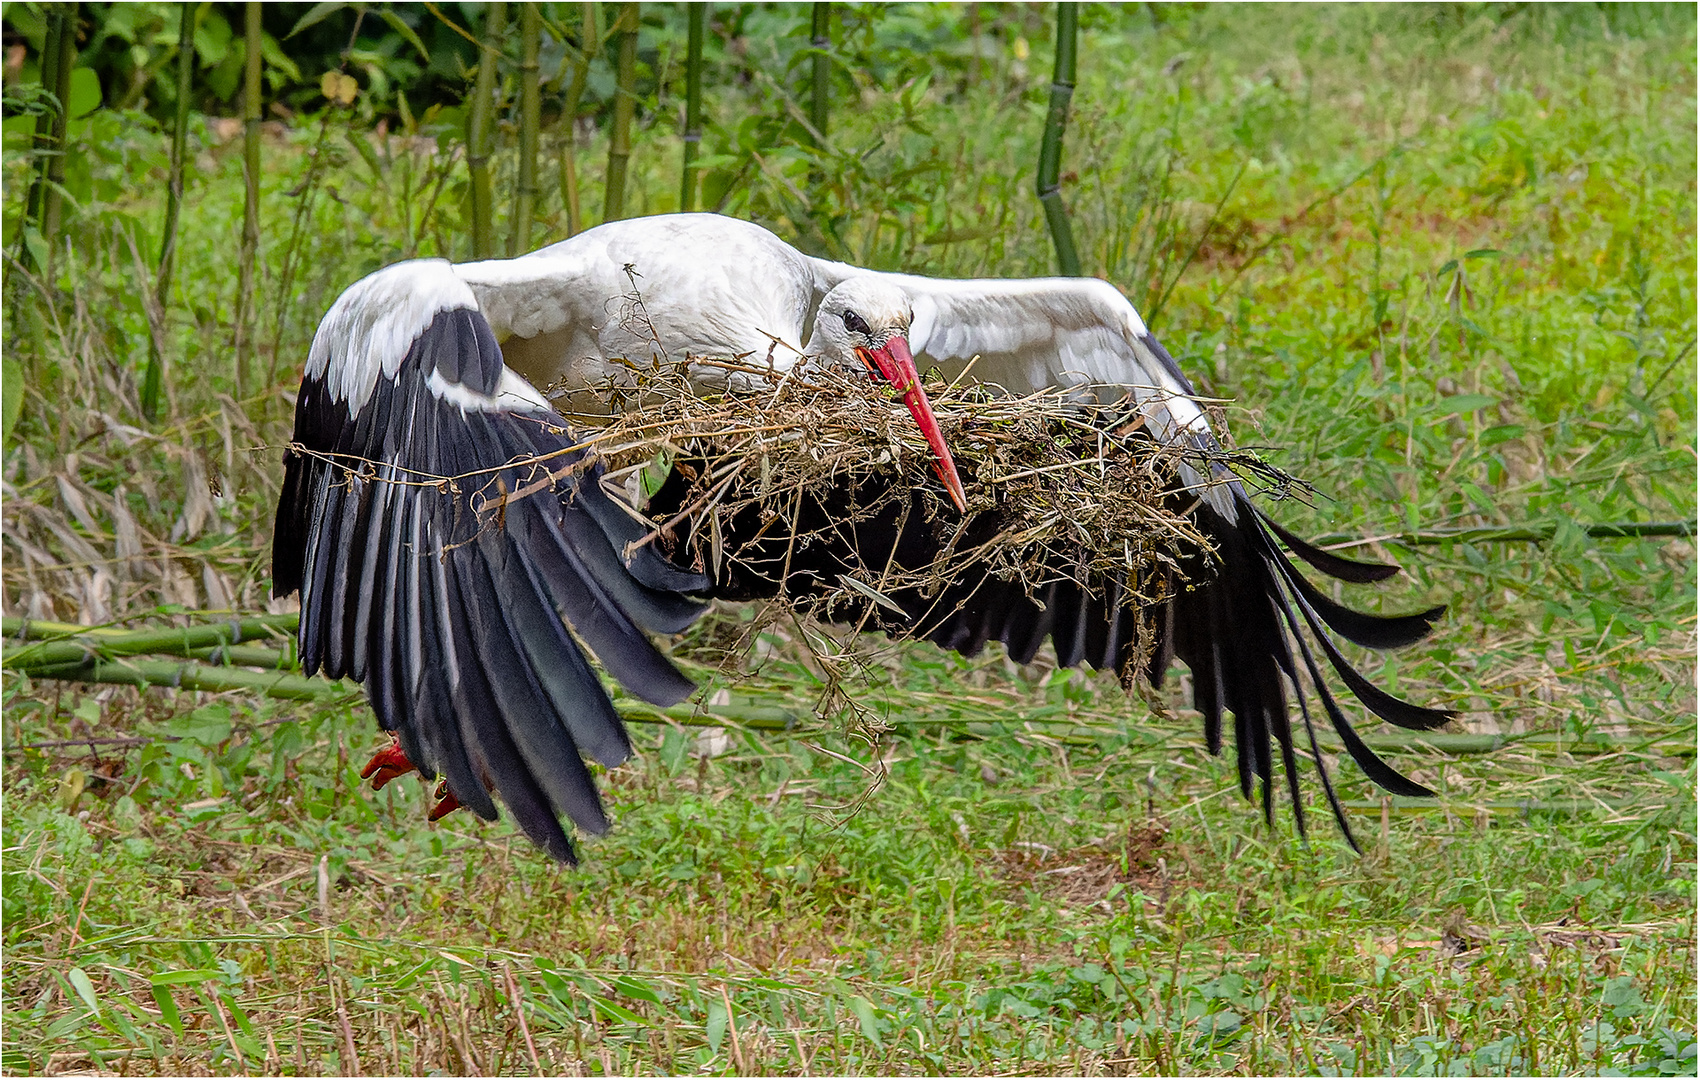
1442,261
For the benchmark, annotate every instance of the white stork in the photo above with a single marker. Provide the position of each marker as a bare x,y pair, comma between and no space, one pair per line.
428,370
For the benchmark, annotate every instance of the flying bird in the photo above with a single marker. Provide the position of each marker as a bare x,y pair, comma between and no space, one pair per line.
420,421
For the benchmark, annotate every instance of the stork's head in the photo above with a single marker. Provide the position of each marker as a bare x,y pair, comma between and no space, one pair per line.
868,318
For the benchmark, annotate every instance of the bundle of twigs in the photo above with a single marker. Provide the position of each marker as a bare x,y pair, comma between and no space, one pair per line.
1069,481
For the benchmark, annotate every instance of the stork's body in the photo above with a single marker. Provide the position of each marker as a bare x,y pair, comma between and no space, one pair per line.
406,374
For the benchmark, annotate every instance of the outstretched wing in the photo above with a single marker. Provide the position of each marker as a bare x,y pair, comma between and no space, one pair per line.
1036,333
575,313
446,534
1245,622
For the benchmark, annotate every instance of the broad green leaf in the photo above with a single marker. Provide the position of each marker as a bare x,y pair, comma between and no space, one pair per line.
865,1018
36,243
84,988
716,1027
11,397
84,97
1458,404
655,472
208,725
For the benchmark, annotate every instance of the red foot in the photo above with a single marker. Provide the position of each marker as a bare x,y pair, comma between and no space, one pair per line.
390,762
386,765
446,802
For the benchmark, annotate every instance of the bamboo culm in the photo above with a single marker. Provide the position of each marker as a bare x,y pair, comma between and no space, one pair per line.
98,654
530,114
248,317
155,376
697,15
1047,179
820,39
44,122
480,131
566,144
625,106
54,197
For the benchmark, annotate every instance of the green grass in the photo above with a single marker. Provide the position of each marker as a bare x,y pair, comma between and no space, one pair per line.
1452,284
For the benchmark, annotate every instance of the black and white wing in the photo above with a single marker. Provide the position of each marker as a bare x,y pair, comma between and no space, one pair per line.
453,547
1245,621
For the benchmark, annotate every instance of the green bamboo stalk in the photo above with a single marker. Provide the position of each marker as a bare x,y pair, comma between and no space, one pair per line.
697,16
246,315
34,202
1050,151
53,190
820,39
194,675
530,117
155,376
625,105
566,143
1610,530
56,643
480,133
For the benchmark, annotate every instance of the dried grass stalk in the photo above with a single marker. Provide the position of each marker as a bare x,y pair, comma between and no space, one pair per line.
1058,484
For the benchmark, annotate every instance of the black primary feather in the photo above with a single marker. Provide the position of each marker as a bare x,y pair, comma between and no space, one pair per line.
461,607
1239,619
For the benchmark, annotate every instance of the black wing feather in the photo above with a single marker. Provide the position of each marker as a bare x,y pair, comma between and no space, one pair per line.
456,604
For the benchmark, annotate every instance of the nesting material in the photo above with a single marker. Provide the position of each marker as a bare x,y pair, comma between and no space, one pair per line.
752,486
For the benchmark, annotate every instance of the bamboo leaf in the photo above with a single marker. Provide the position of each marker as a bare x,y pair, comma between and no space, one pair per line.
637,989
180,978
316,14
85,989
866,1020
715,1029
400,27
872,593
616,1012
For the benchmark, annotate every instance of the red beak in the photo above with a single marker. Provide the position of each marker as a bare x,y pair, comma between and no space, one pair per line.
897,366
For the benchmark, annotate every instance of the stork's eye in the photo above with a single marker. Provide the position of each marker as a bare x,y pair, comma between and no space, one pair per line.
856,324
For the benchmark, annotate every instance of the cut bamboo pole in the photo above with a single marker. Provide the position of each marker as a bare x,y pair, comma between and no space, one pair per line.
155,377
697,16
625,105
247,317
480,131
1050,151
530,117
